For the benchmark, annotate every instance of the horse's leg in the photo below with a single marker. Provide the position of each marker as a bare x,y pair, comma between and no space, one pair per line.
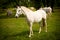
30,25
31,32
45,24
40,27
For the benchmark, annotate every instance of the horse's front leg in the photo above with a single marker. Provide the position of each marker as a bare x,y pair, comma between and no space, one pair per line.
31,31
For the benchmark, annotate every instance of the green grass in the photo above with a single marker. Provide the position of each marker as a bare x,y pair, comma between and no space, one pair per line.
18,29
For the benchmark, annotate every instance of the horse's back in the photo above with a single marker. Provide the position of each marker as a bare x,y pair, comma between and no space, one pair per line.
39,14
43,12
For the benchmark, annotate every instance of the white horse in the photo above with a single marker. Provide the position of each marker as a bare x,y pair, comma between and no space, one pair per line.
48,10
32,17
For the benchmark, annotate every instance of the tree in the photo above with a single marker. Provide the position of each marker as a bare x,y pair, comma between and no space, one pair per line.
36,3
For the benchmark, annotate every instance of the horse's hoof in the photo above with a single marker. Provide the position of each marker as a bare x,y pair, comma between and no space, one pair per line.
39,32
29,36
45,31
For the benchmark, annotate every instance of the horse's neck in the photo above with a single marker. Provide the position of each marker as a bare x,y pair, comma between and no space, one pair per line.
26,9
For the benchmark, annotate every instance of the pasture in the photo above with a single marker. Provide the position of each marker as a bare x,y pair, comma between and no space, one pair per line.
17,29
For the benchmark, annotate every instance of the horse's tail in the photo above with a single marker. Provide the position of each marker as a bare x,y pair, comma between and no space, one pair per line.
44,24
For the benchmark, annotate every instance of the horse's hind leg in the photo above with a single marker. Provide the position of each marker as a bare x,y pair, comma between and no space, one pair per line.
40,27
45,24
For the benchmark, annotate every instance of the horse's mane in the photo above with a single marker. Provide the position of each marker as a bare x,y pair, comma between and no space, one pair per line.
29,10
25,8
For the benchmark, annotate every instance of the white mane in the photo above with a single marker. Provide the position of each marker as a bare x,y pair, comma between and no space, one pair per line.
26,9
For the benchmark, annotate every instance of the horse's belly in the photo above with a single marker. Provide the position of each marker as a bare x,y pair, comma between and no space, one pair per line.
37,19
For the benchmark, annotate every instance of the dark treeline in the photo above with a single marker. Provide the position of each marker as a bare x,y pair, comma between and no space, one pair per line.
35,3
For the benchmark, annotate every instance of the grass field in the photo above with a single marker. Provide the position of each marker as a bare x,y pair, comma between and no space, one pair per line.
17,29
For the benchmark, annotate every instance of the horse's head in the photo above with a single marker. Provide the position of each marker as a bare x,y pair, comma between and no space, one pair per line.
18,12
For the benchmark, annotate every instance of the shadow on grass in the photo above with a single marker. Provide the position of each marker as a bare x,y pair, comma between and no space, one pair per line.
22,34
57,31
